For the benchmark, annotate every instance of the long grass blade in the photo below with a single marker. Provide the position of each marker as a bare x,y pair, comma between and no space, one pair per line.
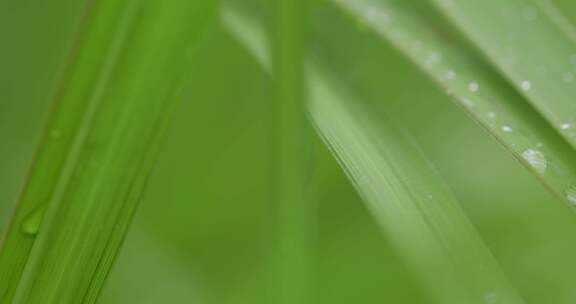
409,200
99,146
424,37
404,192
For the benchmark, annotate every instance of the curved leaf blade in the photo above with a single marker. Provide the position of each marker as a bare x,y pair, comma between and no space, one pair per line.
430,43
531,45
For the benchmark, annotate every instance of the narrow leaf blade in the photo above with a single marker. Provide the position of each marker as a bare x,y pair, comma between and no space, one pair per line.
100,144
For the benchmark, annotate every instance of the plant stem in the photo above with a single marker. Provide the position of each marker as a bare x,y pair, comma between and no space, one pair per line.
291,156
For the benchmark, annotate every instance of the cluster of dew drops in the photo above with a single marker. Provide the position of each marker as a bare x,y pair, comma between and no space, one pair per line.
534,156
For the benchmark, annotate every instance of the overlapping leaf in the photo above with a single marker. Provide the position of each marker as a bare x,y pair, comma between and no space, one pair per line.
403,191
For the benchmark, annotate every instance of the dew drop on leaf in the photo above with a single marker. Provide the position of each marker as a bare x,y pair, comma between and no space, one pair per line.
571,195
31,224
536,159
473,86
467,102
526,85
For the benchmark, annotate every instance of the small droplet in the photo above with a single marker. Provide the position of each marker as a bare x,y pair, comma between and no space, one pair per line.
526,85
467,102
473,86
506,129
566,126
536,159
31,224
491,115
571,195
450,74
377,17
568,77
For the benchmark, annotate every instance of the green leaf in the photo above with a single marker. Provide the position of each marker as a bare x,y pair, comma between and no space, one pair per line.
100,144
526,44
408,199
405,194
423,36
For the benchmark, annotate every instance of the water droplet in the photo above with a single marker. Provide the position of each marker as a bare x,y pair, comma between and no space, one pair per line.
571,195
473,86
467,102
491,115
450,74
568,77
506,129
536,159
566,126
526,85
377,17
31,224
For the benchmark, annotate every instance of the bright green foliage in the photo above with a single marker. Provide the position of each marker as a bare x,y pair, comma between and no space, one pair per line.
104,132
402,190
425,38
408,199
205,234
526,45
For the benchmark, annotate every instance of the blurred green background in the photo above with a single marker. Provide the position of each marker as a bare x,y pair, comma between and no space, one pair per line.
203,232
